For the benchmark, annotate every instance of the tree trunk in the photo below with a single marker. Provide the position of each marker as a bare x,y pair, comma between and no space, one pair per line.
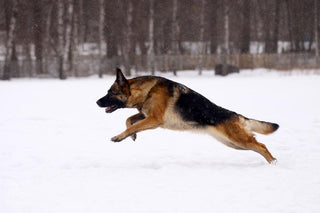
111,34
101,32
276,28
128,37
74,45
27,64
316,34
225,50
290,31
213,23
60,48
271,21
64,41
245,38
67,55
201,39
10,41
14,65
38,35
151,38
226,27
174,37
47,36
81,26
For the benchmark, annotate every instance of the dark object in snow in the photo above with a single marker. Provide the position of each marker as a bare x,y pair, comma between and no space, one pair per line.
221,70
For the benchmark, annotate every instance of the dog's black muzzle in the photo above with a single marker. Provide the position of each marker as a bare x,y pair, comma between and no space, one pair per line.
111,104
101,102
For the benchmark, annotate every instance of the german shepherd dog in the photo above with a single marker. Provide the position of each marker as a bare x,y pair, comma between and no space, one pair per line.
168,104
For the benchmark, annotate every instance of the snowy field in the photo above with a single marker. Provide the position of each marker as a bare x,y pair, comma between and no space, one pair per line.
56,154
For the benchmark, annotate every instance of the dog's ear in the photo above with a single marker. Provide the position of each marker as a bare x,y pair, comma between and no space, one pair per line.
121,80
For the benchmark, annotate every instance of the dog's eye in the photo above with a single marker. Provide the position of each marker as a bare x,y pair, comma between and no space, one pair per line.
113,93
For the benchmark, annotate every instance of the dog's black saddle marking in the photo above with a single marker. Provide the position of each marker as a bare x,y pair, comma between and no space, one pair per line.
196,108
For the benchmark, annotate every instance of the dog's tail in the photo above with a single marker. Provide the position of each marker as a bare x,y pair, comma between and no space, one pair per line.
261,127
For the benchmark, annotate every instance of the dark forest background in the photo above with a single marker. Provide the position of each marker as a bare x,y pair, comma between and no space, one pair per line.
61,38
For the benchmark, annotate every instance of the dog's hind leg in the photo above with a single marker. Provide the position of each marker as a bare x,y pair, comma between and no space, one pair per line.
252,144
133,119
242,138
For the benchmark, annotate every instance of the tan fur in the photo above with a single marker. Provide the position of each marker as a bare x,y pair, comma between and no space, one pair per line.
259,126
235,134
153,108
172,120
139,91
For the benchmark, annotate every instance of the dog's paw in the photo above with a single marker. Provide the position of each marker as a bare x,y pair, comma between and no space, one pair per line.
274,162
116,139
134,137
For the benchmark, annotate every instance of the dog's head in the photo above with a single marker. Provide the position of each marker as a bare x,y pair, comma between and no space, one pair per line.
117,95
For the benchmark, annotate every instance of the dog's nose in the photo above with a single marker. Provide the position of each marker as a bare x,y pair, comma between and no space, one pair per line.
99,103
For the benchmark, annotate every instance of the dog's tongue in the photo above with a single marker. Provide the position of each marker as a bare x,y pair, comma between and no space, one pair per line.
108,109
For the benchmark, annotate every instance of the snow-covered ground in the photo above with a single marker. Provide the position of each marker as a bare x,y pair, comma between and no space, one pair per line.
56,154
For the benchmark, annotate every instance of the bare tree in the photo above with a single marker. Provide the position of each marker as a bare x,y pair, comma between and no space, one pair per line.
75,41
271,24
80,22
226,27
127,38
38,34
151,58
113,28
148,28
201,39
64,38
10,40
101,33
213,8
226,47
245,34
68,37
174,36
300,23
60,46
276,27
316,34
47,40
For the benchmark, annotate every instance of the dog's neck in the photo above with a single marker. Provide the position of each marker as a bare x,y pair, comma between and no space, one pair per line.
139,89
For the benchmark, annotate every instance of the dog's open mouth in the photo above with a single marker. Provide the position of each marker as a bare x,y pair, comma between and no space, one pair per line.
112,108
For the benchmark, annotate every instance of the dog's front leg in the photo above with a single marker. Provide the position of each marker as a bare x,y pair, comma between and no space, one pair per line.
147,123
132,120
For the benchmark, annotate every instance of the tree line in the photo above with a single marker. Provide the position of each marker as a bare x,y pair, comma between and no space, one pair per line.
42,29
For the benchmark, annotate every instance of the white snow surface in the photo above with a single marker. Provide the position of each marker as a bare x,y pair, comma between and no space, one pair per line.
56,154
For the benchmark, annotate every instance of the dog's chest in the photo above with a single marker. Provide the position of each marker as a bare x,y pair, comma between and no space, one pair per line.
172,120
